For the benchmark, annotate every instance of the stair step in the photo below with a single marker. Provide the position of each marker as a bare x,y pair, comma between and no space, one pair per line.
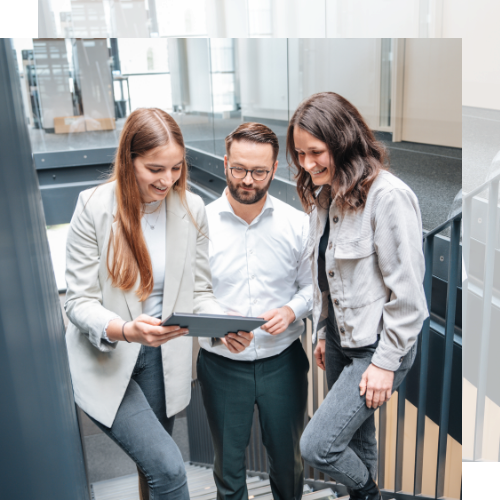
269,496
201,487
123,488
196,491
326,494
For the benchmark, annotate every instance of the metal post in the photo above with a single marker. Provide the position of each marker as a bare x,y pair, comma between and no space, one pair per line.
466,236
400,436
489,264
451,304
39,430
424,366
382,439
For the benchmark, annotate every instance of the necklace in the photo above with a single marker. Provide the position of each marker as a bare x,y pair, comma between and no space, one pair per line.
152,226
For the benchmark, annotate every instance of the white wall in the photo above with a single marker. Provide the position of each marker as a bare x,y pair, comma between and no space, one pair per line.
481,54
373,18
227,18
263,77
349,67
453,18
432,96
298,18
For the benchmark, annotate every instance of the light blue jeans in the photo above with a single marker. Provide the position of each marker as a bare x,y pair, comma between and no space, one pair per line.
340,438
143,431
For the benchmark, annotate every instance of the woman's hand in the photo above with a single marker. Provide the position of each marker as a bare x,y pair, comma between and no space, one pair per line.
319,354
377,384
144,330
278,320
237,342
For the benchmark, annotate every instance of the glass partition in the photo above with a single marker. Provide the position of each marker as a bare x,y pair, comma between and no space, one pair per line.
192,99
244,18
78,93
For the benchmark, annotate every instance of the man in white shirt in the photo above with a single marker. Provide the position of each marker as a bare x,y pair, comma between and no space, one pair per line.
260,267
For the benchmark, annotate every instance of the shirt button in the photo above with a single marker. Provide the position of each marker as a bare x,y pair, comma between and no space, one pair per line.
250,251
330,245
331,274
255,301
253,276
336,302
335,219
342,330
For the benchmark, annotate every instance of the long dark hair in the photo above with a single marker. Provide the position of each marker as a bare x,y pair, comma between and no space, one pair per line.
357,156
145,129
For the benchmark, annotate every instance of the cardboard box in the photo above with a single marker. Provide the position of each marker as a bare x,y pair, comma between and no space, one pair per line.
100,124
69,124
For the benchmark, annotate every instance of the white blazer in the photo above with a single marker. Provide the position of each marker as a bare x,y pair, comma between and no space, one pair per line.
100,370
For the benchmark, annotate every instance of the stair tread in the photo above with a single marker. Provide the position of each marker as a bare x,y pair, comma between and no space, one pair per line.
199,479
326,494
197,490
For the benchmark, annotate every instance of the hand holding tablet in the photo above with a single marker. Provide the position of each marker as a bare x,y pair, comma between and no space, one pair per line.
234,331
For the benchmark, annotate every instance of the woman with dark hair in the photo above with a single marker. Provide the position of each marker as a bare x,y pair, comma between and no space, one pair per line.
368,269
137,250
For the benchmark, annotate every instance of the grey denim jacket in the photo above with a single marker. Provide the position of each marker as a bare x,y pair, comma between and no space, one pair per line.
375,270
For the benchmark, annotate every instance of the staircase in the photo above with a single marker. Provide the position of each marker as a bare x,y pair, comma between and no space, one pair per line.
201,487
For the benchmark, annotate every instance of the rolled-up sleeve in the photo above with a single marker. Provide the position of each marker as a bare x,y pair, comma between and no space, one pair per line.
83,303
301,302
398,243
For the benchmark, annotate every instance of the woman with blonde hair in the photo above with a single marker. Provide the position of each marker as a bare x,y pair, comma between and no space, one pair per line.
368,267
137,250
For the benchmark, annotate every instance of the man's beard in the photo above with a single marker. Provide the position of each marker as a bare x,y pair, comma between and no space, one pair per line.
247,197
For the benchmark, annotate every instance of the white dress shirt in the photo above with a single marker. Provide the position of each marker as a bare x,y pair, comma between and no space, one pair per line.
260,266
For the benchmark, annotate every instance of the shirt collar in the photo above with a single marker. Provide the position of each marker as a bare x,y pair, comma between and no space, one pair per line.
225,206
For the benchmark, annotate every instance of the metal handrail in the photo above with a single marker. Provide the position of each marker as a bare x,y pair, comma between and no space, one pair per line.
492,185
202,450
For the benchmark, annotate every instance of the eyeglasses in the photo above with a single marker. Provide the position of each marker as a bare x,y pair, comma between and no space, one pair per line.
259,174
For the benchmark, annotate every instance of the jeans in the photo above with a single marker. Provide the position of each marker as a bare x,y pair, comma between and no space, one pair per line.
141,428
340,439
231,389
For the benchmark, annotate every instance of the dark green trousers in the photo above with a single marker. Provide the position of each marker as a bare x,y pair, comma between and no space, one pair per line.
278,386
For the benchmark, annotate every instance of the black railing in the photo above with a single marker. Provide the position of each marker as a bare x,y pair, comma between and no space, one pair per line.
436,363
484,289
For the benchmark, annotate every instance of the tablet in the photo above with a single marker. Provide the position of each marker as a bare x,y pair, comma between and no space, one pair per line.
212,325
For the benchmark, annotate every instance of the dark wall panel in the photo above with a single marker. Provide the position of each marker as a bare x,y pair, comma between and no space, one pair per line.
39,436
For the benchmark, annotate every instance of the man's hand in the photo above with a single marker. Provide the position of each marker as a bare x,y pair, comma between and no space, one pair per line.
278,320
319,354
237,342
377,384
